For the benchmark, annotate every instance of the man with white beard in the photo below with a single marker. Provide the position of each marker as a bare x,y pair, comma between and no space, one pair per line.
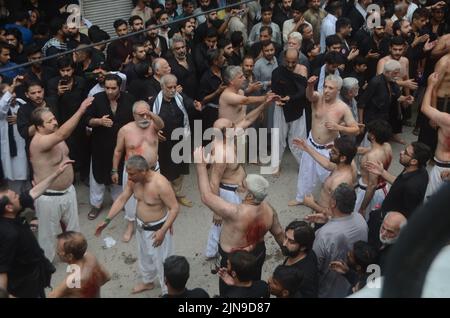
389,232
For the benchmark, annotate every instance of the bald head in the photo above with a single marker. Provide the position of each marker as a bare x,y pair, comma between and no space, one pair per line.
390,229
290,59
71,245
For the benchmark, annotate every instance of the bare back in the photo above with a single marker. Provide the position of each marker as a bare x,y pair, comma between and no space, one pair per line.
247,228
381,154
93,277
45,162
322,113
229,109
346,174
149,196
142,142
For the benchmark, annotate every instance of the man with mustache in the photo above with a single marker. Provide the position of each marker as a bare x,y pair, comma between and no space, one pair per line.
48,150
139,137
297,247
389,232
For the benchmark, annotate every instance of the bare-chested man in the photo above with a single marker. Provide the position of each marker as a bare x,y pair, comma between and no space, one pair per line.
245,224
441,94
372,189
232,102
157,209
139,137
71,249
442,155
227,173
47,150
339,163
330,116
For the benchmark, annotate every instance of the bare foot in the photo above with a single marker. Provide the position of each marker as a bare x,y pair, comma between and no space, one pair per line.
139,288
396,138
128,233
294,203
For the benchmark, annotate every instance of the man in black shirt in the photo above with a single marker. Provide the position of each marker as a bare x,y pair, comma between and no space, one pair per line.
297,247
408,189
241,266
176,274
24,270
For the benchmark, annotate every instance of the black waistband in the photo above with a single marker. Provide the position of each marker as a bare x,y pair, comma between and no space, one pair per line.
379,186
442,164
54,194
153,228
228,187
315,145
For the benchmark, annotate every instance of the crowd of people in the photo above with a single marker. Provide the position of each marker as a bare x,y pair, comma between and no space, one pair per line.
337,80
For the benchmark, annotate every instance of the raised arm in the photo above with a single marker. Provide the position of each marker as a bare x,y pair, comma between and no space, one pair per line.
254,114
441,118
214,202
233,99
311,94
49,141
157,121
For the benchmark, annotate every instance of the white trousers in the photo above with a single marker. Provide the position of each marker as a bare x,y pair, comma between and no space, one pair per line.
310,172
294,129
130,206
212,246
375,203
435,180
97,190
50,210
151,259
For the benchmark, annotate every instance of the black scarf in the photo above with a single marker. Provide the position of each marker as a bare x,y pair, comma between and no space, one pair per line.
12,141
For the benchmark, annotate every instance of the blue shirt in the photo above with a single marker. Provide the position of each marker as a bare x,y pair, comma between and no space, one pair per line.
9,75
27,35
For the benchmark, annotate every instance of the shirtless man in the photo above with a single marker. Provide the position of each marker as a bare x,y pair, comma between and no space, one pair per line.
232,102
245,224
371,189
442,47
157,209
339,163
139,137
227,174
47,150
330,116
441,94
71,249
441,169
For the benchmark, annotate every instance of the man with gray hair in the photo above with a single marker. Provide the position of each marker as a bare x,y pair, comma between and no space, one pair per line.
139,137
330,117
157,209
390,230
382,98
173,109
336,238
244,225
349,91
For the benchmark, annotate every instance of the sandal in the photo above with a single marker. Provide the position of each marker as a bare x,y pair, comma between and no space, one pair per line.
93,213
34,225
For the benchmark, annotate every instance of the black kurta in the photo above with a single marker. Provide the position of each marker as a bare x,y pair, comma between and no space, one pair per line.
173,118
103,139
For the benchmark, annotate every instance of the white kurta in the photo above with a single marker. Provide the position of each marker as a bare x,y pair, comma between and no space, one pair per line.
14,168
